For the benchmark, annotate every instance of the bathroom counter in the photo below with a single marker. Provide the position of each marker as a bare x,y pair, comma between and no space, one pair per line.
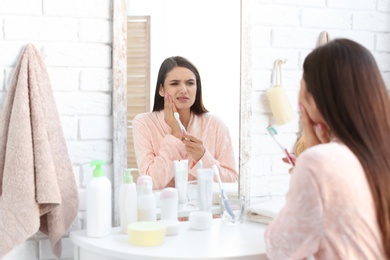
243,241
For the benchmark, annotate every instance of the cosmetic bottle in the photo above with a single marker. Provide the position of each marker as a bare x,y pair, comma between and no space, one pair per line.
181,179
169,210
146,203
99,203
127,201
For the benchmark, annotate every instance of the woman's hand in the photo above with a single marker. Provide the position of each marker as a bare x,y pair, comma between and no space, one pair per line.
314,133
293,159
194,146
169,109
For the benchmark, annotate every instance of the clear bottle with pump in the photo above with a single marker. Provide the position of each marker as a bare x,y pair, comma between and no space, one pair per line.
147,203
127,201
99,203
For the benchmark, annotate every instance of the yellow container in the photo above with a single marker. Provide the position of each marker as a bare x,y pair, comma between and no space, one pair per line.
146,233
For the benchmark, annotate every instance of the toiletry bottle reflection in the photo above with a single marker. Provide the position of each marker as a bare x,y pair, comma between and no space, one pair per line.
127,201
147,203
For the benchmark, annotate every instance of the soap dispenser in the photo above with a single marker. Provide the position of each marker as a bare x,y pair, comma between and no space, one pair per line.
147,202
127,200
99,203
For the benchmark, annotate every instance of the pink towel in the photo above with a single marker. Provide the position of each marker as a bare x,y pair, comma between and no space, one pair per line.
37,185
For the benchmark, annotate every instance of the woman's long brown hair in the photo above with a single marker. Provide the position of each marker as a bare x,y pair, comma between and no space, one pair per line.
349,91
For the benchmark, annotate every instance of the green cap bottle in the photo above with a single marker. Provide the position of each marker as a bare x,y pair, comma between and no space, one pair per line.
98,171
128,178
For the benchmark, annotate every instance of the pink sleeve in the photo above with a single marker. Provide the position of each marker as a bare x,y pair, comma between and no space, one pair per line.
296,231
157,164
223,156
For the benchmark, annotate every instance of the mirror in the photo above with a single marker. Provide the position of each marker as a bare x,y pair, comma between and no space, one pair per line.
211,39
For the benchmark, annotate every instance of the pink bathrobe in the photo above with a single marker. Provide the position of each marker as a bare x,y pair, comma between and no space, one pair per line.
156,148
329,210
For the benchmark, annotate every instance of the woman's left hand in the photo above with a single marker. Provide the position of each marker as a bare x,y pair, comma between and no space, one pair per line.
194,146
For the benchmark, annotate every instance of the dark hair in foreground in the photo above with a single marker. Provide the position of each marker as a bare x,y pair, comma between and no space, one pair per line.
345,82
167,65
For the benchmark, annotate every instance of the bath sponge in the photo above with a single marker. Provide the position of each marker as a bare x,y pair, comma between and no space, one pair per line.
278,100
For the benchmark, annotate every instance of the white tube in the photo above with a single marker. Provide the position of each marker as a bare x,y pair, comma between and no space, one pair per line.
205,189
181,179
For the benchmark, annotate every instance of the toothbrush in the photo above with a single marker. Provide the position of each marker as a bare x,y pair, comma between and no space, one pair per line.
272,131
223,193
182,128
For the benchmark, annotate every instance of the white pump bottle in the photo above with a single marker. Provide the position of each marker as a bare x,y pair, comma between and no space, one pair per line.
127,201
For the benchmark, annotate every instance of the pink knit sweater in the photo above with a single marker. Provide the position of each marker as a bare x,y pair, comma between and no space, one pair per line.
156,148
329,211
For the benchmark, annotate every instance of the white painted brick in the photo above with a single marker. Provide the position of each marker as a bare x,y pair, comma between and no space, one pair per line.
95,128
261,79
371,21
312,3
326,18
40,29
21,7
262,1
383,60
279,184
69,127
76,171
275,15
78,8
2,79
261,36
26,250
82,199
82,103
2,98
383,42
258,185
64,79
295,37
77,55
386,79
264,58
352,4
46,253
261,164
82,152
384,6
1,26
260,102
96,80
10,52
94,30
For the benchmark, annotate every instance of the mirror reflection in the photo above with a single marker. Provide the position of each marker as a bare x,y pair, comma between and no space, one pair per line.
161,29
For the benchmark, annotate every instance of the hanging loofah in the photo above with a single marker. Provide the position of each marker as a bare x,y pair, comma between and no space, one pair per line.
277,97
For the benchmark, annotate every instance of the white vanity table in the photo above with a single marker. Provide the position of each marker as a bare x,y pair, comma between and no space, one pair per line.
243,241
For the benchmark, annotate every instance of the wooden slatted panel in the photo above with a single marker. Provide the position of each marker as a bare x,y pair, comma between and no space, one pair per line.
138,77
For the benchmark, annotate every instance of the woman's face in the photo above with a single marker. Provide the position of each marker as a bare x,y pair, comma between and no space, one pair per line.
180,84
307,101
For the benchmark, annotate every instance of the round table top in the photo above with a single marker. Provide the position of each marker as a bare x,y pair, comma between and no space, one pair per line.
221,241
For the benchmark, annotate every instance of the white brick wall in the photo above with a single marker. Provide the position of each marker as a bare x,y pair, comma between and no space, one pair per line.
75,40
284,29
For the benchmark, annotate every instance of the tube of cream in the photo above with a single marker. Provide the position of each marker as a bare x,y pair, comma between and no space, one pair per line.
205,189
181,179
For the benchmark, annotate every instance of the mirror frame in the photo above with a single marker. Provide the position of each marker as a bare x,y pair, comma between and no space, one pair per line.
119,97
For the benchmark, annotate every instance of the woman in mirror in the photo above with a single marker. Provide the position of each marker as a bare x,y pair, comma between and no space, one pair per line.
338,203
159,140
